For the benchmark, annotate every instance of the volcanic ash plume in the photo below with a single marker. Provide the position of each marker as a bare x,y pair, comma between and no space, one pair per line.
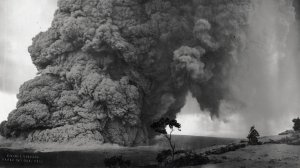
109,68
266,76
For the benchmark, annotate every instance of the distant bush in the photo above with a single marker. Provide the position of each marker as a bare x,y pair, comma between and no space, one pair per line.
253,137
181,158
116,162
296,124
163,155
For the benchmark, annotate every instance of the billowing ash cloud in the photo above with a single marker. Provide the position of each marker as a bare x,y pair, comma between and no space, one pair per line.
266,77
108,68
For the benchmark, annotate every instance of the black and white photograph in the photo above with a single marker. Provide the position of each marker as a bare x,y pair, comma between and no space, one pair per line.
150,83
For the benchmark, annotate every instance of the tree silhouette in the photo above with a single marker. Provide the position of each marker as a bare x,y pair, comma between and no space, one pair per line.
160,127
296,124
253,136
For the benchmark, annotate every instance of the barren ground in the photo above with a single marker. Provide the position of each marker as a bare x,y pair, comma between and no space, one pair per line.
261,156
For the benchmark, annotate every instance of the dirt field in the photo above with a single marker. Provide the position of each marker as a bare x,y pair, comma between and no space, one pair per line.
261,156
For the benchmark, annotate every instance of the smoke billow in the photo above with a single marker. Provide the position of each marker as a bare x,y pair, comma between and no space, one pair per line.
108,68
265,78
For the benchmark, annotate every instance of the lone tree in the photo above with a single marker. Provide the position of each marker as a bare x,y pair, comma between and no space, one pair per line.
296,124
160,127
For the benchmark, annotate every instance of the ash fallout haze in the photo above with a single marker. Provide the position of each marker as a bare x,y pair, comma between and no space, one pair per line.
104,70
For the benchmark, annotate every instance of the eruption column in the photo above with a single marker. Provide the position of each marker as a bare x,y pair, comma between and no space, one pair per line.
109,68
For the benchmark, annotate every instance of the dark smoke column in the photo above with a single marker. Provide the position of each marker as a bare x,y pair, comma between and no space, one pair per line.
108,68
